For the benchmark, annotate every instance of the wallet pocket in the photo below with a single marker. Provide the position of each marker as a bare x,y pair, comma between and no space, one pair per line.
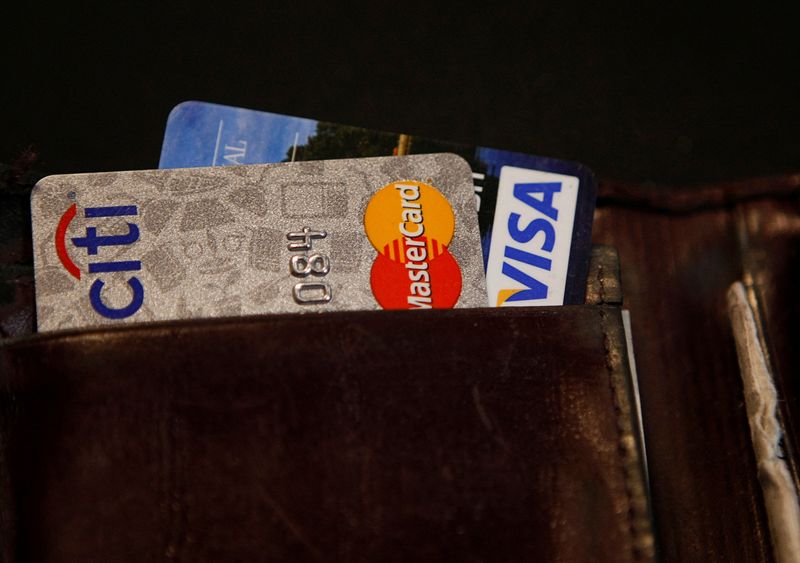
462,435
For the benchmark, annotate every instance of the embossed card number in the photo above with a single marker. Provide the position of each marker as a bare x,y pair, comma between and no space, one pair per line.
304,265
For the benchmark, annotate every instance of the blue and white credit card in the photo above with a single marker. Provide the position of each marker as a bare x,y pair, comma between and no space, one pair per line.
534,213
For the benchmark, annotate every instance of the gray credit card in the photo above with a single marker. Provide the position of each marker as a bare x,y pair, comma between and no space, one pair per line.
367,233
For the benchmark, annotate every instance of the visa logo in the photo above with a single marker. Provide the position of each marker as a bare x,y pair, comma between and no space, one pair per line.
531,238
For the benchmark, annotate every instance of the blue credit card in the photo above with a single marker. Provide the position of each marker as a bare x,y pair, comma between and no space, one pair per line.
535,213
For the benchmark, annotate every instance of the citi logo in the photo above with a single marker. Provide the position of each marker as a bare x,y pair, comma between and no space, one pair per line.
531,238
92,243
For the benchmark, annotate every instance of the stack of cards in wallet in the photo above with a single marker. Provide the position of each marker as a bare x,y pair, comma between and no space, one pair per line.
534,213
366,233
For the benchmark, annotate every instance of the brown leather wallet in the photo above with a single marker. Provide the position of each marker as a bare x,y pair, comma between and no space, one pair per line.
465,435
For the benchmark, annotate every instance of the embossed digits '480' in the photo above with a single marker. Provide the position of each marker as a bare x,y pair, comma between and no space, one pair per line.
304,265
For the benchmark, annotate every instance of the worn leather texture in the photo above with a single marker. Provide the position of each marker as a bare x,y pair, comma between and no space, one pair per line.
770,238
473,435
680,249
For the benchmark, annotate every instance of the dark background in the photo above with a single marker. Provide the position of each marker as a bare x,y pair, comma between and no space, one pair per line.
646,94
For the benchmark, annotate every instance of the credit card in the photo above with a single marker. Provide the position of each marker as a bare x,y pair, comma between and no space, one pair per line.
368,233
535,213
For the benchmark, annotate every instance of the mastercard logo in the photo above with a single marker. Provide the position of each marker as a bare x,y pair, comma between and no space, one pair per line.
410,224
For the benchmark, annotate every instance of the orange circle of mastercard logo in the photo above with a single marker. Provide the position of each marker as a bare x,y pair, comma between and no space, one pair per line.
408,209
411,224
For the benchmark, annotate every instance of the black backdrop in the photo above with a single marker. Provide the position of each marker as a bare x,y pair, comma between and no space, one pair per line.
657,93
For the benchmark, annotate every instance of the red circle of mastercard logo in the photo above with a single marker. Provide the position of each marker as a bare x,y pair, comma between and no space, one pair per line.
411,224
435,284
